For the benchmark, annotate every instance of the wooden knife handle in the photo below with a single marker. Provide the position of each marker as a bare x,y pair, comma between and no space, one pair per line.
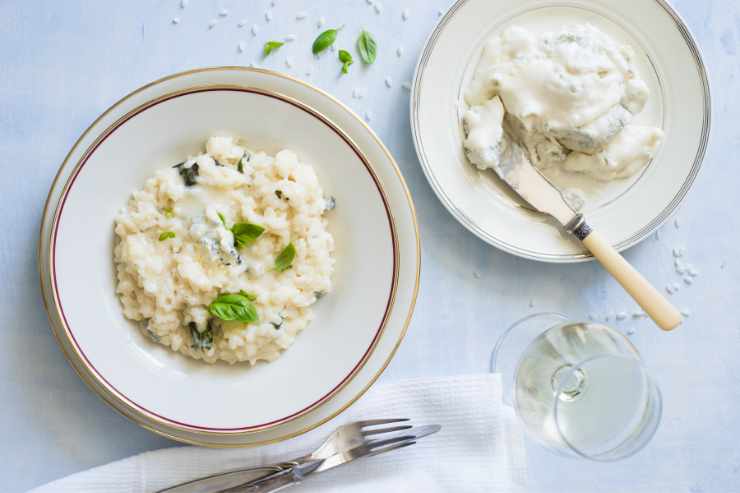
650,299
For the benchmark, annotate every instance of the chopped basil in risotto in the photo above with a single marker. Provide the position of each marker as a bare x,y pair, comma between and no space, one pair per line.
201,253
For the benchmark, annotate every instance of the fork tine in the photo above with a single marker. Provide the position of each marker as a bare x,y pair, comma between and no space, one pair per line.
414,432
385,443
377,431
376,444
375,422
397,446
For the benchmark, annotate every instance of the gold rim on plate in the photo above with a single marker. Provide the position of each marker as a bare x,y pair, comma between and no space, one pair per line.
112,397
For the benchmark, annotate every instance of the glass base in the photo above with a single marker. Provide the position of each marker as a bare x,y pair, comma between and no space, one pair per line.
511,346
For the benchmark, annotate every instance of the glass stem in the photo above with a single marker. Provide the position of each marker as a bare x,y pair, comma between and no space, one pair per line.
568,384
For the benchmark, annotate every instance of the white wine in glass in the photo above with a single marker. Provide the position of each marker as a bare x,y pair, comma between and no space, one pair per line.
579,388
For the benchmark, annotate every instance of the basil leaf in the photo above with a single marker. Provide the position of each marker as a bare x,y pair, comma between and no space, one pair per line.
367,47
324,40
250,296
168,212
222,218
271,46
284,261
246,233
234,306
346,58
166,235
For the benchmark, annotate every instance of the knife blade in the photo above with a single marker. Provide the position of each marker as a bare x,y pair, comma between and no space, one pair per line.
516,170
375,447
294,475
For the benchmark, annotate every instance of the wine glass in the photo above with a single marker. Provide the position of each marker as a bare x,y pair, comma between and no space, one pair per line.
580,389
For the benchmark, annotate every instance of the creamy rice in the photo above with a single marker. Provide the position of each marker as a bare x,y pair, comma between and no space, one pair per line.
176,253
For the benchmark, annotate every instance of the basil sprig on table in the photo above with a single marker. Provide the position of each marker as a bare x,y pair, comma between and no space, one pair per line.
346,58
285,259
324,40
367,47
271,46
234,306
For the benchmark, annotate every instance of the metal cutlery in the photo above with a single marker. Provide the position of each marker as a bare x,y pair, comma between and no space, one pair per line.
346,444
517,171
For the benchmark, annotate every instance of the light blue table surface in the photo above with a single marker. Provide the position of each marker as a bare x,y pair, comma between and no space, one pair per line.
64,62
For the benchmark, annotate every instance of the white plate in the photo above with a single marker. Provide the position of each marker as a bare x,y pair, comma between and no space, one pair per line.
355,330
625,212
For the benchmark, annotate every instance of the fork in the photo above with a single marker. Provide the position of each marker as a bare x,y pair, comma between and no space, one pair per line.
347,443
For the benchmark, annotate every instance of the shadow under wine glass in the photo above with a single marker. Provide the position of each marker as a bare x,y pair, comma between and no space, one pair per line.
580,389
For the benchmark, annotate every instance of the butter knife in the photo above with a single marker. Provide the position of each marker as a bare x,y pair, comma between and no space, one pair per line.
515,169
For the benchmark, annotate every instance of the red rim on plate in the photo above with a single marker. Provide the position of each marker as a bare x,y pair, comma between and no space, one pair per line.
55,288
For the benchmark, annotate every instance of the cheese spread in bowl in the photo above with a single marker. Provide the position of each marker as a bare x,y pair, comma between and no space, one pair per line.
568,96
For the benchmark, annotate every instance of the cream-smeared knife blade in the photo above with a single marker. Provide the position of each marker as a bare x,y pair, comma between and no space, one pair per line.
517,171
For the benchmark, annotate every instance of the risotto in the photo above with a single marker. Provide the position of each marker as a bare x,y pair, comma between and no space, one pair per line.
220,257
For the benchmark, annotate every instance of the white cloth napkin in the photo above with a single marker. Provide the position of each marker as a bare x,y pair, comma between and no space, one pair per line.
479,449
